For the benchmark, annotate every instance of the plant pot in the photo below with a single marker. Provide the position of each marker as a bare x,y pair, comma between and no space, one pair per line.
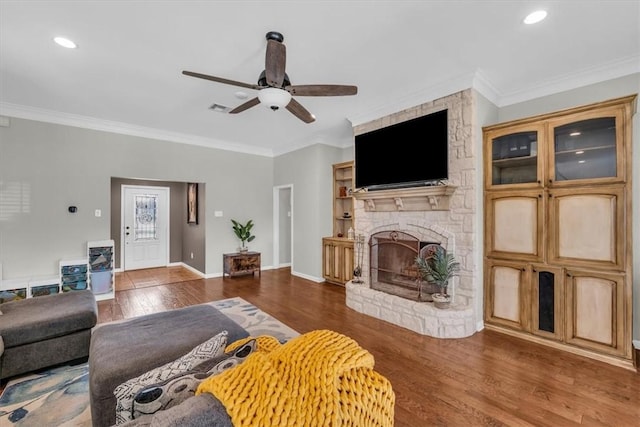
441,300
243,249
426,289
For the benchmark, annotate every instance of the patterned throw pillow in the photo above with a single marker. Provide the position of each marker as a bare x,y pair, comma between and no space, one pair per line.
177,389
126,391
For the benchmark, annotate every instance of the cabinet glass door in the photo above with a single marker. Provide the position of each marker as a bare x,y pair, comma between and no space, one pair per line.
515,158
585,149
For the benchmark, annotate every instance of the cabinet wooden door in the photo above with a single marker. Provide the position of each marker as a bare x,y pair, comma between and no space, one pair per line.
507,293
337,260
598,311
587,147
547,301
514,156
514,225
587,226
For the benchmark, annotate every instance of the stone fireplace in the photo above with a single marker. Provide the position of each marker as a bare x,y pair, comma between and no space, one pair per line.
400,223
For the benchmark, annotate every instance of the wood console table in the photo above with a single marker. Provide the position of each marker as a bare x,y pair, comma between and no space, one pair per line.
241,263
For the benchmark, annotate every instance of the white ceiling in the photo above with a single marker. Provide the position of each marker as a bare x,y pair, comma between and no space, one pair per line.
126,74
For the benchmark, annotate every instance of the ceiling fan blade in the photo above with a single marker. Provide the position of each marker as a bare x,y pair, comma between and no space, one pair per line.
274,64
250,103
221,80
300,112
322,90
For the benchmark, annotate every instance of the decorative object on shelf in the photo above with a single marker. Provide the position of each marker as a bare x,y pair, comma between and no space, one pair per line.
192,203
351,234
243,232
346,215
342,191
357,272
438,268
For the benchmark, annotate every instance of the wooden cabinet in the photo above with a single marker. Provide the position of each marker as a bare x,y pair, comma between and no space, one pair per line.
557,228
239,263
337,260
337,250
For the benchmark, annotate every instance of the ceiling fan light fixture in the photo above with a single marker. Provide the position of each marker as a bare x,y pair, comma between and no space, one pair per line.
274,98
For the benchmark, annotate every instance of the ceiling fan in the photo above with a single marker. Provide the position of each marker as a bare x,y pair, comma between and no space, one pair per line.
274,86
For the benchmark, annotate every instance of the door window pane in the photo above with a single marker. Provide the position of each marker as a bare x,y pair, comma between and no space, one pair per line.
145,227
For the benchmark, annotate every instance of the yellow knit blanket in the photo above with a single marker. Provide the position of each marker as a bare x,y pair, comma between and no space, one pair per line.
321,378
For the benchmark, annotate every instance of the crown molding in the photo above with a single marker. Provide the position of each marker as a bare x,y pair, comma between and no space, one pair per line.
588,76
76,120
431,93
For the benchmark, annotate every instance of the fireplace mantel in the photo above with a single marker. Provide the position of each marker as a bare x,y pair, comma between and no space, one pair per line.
435,198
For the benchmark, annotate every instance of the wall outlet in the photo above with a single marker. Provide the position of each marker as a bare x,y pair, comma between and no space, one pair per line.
217,213
98,213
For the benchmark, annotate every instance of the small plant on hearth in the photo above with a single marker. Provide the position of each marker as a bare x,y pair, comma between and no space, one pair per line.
438,268
243,232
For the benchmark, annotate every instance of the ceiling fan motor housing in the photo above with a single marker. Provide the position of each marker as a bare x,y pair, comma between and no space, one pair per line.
262,80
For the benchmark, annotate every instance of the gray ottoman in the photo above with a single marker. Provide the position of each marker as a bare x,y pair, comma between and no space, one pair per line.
123,350
45,331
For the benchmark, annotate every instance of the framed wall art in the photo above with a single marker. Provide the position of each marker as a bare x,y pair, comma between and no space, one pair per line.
192,203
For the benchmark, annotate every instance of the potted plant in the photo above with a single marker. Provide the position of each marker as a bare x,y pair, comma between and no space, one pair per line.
243,232
438,268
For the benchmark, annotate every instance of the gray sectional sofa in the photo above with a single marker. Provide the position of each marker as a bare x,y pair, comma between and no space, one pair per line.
39,332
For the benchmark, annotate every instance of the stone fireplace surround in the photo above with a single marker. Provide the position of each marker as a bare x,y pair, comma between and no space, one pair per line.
449,221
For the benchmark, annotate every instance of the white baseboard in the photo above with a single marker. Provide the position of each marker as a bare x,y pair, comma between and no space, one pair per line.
306,276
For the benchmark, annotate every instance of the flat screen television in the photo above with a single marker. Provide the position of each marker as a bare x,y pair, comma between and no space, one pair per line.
408,154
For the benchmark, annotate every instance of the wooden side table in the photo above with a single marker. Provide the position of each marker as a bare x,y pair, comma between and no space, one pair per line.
239,263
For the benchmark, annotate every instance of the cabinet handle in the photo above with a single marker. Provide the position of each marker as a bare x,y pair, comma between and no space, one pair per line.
540,196
550,181
539,182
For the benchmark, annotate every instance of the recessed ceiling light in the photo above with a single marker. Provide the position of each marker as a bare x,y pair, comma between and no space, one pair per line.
65,42
535,17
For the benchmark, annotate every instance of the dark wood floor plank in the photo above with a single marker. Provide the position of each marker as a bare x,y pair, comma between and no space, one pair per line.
488,379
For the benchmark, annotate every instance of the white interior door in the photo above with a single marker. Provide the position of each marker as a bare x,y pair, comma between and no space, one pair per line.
145,226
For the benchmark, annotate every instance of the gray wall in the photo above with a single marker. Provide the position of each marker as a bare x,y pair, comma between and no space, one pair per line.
586,95
185,239
44,168
309,169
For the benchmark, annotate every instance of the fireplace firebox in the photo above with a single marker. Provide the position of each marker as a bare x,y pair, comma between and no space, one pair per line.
393,268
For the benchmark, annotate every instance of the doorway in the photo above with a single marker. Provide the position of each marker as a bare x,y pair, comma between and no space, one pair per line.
283,226
145,218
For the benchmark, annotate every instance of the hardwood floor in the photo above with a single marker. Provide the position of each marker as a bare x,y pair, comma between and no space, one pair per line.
488,379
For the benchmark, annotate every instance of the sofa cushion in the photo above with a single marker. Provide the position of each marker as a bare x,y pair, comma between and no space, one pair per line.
50,316
177,389
125,349
125,392
198,411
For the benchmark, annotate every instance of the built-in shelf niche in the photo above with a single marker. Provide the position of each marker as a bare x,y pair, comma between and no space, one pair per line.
435,198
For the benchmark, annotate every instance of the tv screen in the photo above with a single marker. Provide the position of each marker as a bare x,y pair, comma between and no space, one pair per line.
407,154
